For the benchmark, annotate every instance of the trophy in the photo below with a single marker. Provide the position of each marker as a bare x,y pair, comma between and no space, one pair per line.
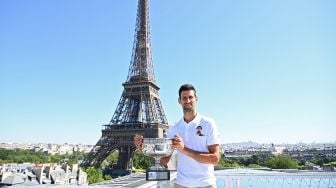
157,148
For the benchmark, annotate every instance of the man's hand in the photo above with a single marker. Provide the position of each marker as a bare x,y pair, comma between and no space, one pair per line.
178,143
138,141
164,160
210,157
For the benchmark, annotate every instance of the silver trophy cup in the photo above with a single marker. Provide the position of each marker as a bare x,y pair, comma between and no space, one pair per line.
157,148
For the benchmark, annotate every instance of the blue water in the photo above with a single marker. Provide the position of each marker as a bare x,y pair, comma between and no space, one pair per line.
246,178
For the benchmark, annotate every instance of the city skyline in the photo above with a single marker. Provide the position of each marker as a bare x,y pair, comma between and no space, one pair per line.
264,71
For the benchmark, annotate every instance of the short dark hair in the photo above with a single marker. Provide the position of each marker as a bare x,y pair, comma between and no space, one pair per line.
186,87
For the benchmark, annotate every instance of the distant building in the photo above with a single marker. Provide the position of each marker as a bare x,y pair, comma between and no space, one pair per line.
49,148
246,152
11,174
310,153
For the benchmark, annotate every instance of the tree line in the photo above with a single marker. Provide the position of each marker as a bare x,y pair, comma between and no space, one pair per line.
142,162
32,156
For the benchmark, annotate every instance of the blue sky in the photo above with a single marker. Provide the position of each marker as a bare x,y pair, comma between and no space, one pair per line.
264,70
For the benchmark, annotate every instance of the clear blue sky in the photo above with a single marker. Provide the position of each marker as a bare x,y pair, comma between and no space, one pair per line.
264,70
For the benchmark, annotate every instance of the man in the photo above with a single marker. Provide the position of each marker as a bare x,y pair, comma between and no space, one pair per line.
196,139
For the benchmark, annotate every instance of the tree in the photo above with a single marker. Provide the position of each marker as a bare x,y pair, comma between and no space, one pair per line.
141,161
56,158
107,177
94,175
75,157
282,162
225,163
113,157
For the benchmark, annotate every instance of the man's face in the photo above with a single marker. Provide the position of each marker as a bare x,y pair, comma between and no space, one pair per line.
188,100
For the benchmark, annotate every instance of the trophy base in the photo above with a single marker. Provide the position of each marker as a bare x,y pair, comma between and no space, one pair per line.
157,175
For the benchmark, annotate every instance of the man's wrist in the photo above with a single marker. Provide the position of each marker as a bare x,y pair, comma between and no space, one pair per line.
185,150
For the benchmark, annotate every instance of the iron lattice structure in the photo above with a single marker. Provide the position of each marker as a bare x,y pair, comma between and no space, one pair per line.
139,110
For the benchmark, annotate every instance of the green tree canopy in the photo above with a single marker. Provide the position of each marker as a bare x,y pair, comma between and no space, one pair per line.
94,175
282,162
141,161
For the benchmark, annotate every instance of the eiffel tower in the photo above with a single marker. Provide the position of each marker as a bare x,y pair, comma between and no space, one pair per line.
139,110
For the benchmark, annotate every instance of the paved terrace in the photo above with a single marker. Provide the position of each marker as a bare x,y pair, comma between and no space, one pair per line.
238,178
137,180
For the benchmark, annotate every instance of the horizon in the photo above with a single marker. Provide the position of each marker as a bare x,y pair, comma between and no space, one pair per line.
260,143
264,71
